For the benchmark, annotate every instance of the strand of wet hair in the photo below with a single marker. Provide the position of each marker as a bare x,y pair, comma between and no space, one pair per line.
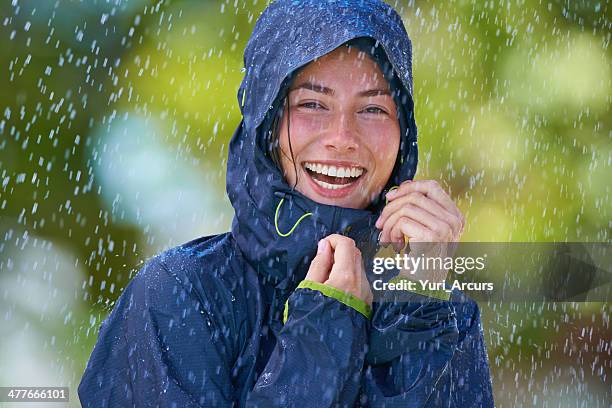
289,138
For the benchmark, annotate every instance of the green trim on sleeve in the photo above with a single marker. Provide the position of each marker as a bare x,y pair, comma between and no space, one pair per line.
438,294
341,296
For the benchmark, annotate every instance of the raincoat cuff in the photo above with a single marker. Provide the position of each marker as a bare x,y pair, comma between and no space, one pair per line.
437,294
346,298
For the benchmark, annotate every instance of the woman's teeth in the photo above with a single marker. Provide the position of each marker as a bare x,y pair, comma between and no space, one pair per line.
329,186
334,171
333,177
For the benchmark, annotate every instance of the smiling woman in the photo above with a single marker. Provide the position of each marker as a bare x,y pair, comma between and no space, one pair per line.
345,131
261,317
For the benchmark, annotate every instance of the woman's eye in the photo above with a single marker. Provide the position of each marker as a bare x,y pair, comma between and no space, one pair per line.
375,110
311,105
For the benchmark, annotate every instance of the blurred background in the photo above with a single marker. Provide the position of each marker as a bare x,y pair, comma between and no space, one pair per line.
115,118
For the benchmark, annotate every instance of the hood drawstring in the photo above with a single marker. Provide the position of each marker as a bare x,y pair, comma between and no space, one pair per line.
304,216
390,190
280,203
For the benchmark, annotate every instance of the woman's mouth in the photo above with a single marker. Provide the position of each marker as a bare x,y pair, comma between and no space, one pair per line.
333,180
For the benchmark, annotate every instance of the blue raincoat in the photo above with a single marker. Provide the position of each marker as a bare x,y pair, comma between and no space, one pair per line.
201,325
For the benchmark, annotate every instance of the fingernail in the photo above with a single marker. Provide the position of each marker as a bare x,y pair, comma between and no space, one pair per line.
320,246
390,193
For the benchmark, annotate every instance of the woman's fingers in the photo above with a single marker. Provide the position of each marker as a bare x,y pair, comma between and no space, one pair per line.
432,190
321,265
344,252
423,212
407,227
430,198
416,199
347,272
338,263
441,225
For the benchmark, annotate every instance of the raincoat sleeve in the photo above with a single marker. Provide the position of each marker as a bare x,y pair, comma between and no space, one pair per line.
467,382
319,353
421,356
160,347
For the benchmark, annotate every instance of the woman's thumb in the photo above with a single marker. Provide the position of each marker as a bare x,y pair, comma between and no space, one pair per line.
321,264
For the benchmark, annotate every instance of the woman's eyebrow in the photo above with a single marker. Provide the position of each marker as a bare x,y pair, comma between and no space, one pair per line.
328,91
315,87
375,92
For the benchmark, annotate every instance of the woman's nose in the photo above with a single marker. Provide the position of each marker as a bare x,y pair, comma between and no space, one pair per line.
342,136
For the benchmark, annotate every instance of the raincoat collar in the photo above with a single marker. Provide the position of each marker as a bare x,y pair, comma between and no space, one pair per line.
277,228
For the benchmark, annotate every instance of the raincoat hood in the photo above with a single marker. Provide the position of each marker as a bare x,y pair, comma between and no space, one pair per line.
276,227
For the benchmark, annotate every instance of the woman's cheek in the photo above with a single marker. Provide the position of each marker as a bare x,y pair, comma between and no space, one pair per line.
308,123
381,138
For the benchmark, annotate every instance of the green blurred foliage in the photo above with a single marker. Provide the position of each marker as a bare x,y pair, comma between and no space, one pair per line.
512,104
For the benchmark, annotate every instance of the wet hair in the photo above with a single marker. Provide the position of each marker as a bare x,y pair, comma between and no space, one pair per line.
274,141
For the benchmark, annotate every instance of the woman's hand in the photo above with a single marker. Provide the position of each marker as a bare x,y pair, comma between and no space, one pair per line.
338,263
421,211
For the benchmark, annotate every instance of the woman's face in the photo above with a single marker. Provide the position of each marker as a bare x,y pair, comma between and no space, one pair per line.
345,133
